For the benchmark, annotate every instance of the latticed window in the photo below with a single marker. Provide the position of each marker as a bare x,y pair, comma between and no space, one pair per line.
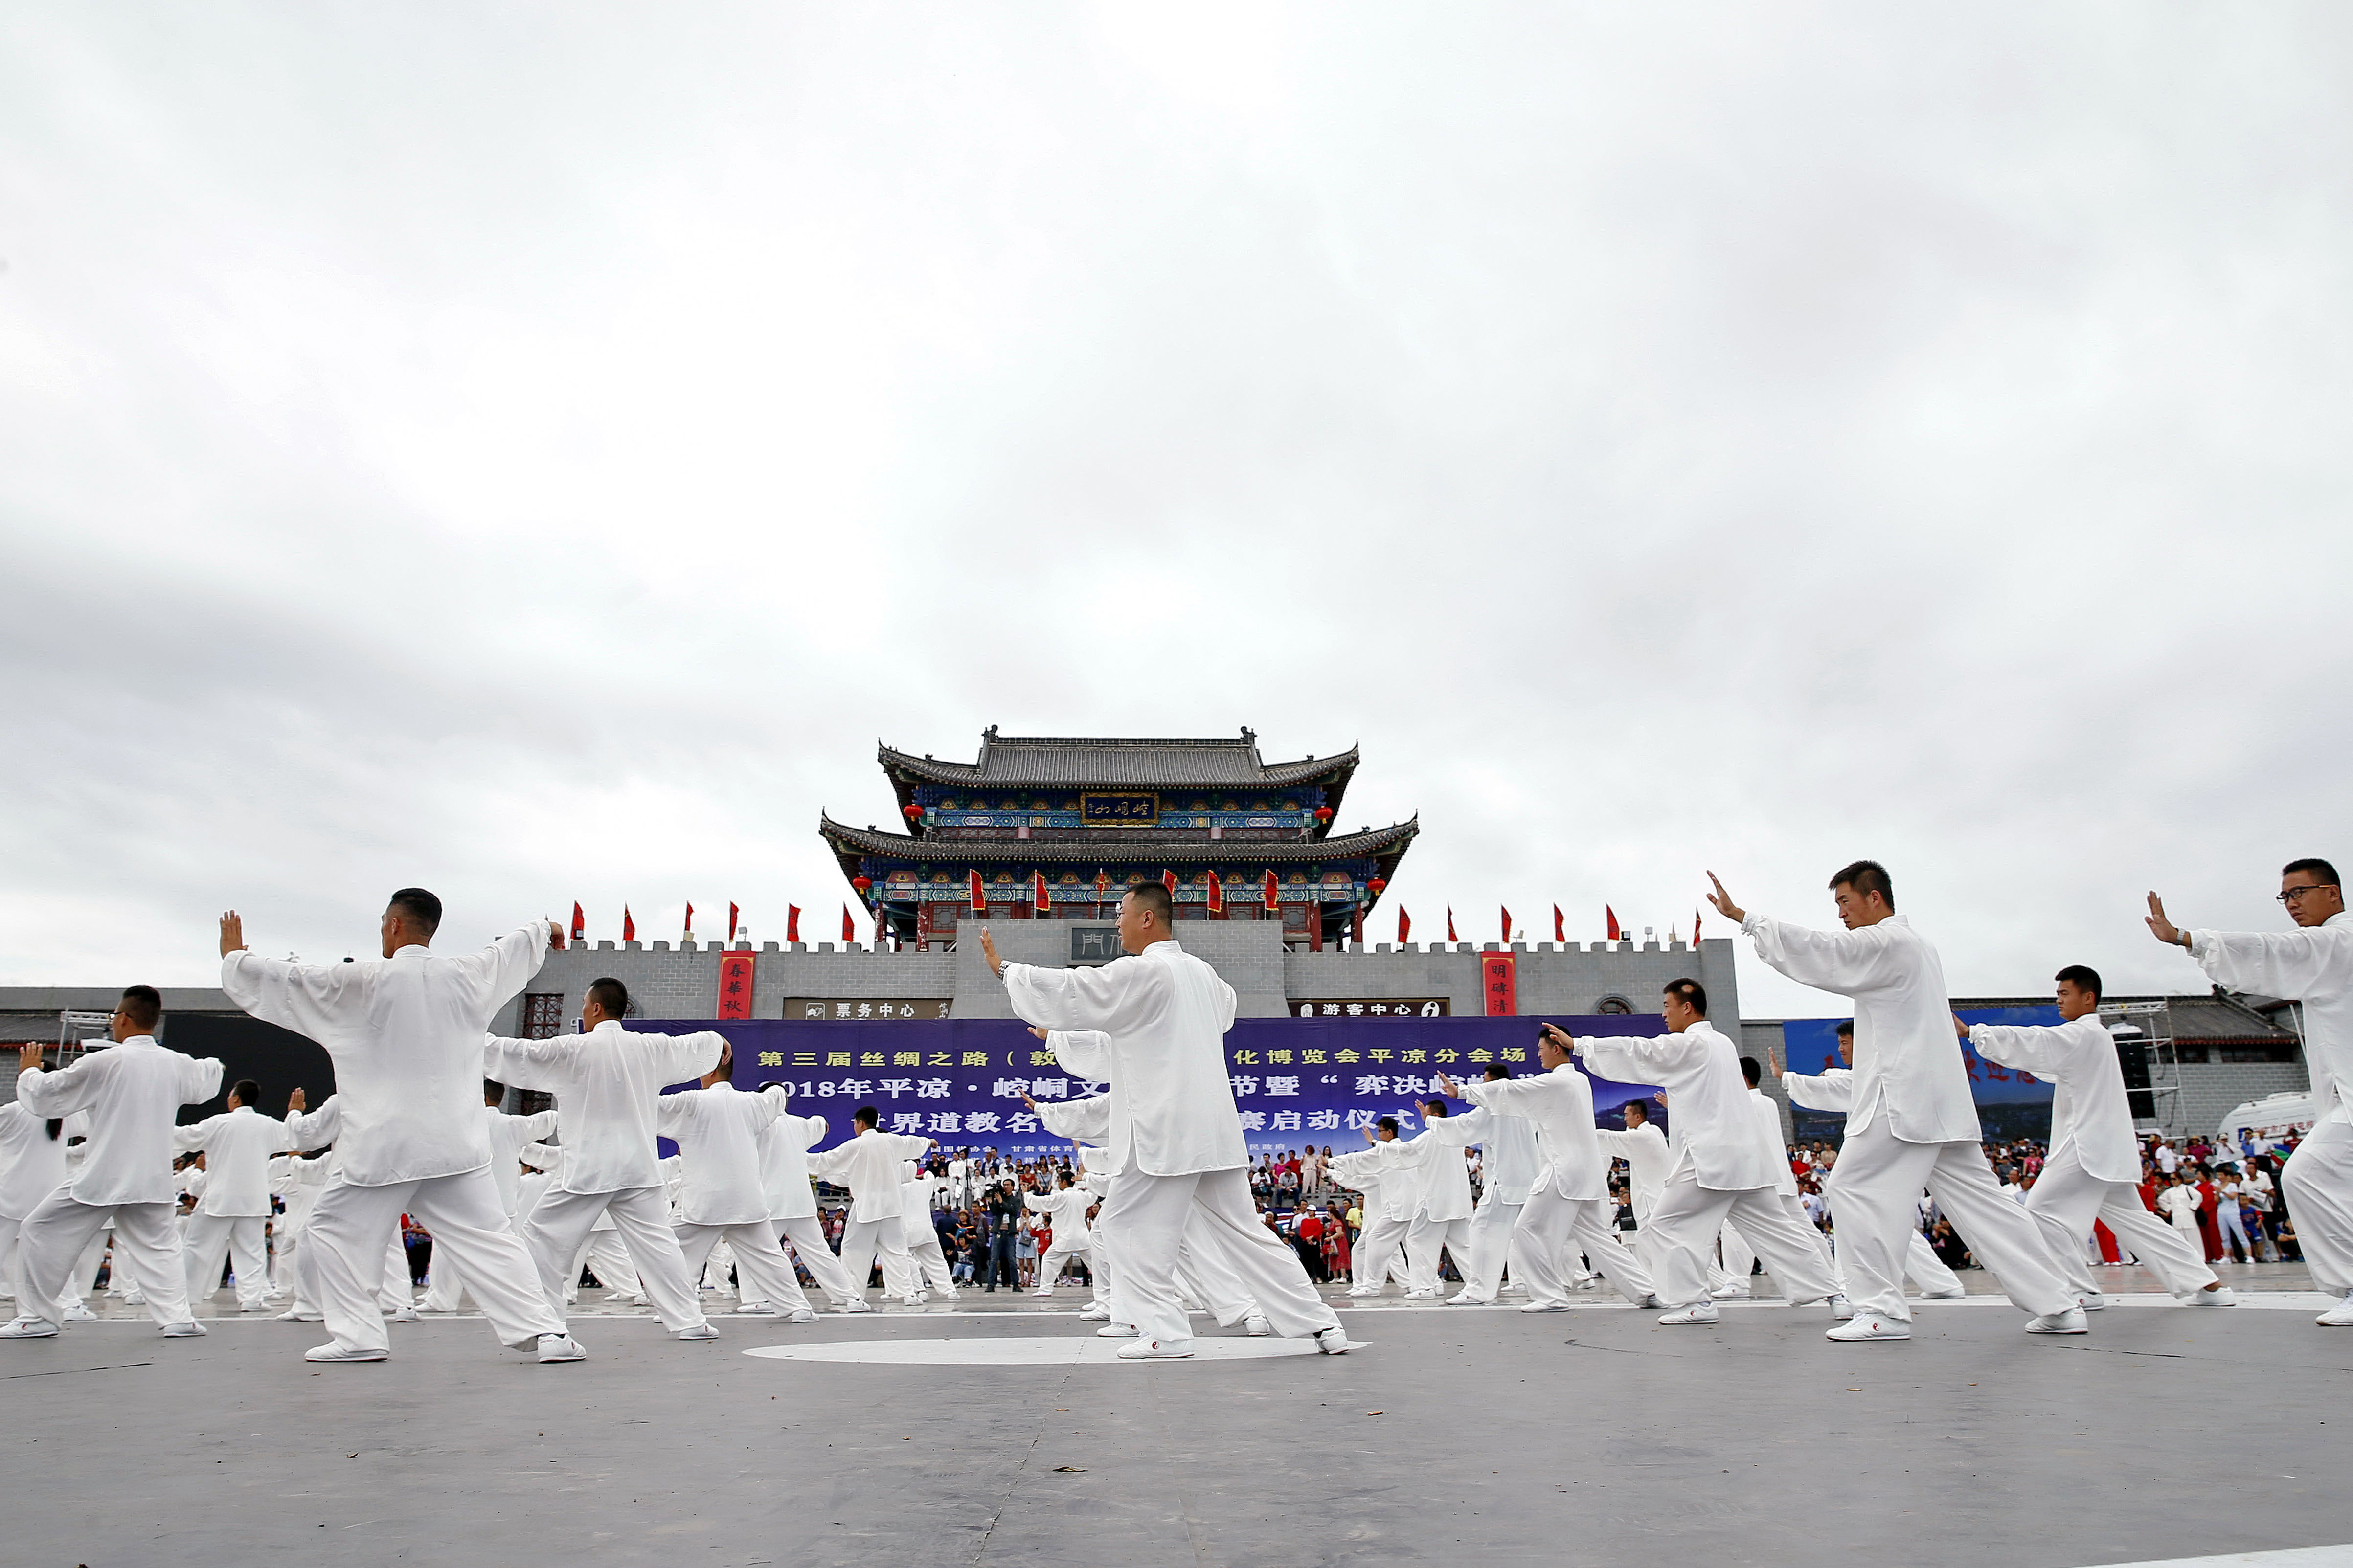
542,1014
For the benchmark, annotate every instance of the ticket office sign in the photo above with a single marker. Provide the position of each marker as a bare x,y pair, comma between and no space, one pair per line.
862,1009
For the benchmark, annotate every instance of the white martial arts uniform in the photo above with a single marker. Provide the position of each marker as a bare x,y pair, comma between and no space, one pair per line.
2313,966
320,1129
927,1265
717,1131
32,1166
1648,1160
1913,1124
1569,1209
1510,1161
2092,1171
133,1091
1087,1123
1065,1209
1380,1239
405,1034
1433,1162
1723,1167
792,1203
1153,1026
1832,1089
510,1136
296,1182
870,1165
1739,1257
606,1084
233,1215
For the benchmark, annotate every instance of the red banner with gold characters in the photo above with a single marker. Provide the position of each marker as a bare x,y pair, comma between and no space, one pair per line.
1499,981
734,986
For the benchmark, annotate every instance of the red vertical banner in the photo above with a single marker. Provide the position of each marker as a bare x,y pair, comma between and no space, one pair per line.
1499,984
792,924
1273,892
979,895
1041,903
734,986
1216,895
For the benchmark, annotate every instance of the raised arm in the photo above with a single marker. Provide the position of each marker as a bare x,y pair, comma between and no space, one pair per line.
1831,1090
323,1001
2031,1047
1086,1052
1631,1060
1113,997
193,1136
71,1087
1840,961
530,1064
2271,962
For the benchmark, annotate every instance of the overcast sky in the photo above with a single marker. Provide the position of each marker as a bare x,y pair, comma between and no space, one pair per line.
536,452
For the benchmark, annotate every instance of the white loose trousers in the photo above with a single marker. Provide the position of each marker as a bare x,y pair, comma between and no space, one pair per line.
1049,1267
146,1248
1876,1188
468,1220
2067,1199
238,1237
1492,1225
1377,1246
861,1239
2318,1183
1146,1215
1422,1240
807,1237
1552,1228
762,1269
1684,1224
557,1229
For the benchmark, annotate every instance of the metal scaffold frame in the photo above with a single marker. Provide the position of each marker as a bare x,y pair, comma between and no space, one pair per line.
2153,1021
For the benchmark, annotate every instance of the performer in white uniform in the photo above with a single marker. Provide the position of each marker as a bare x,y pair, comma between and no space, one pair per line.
1433,1162
1508,1144
233,1215
510,1136
1913,1124
785,1144
32,1166
1379,1252
134,1090
1569,1209
318,1128
1065,1209
869,1163
405,1033
1731,1281
1644,1149
2314,966
1086,1123
606,1083
718,1133
1174,1132
927,1265
1724,1162
2093,1171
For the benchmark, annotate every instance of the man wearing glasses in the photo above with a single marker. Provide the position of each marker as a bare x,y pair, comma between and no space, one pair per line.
2314,965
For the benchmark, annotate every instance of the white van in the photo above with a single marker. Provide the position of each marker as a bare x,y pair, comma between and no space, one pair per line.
2267,1121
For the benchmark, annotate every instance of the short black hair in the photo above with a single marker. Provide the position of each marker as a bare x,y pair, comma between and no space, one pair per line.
1751,1071
1690,991
866,1116
1496,1071
1154,895
247,1090
1865,877
1632,1106
611,995
143,1005
1434,1106
2320,868
2083,977
1386,1124
493,1089
419,905
1846,1028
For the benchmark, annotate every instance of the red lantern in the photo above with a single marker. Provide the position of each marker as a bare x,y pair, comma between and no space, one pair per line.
912,812
862,883
1324,814
1377,886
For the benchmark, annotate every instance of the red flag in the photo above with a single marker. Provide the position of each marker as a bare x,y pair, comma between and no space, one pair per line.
690,921
1507,925
792,924
629,925
579,923
1450,924
849,926
1273,892
1216,895
1559,926
732,914
1168,880
1041,903
1694,928
1405,925
1615,934
1102,885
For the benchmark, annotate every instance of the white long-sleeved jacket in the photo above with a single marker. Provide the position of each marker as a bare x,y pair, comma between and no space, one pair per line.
2089,1112
2312,964
33,1163
606,1084
867,1164
1768,1118
1715,1129
406,1035
1906,1062
1559,1105
1086,1120
509,1135
784,1165
1065,1209
133,1091
298,1181
1647,1159
1440,1176
238,1145
718,1133
1165,1013
1511,1160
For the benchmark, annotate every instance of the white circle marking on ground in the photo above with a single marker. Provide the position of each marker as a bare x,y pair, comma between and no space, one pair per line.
1087,1351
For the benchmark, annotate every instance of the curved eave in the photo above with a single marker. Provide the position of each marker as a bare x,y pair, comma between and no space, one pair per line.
1388,844
901,766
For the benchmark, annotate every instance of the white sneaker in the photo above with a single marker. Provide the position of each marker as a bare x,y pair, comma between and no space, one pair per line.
408,1315
699,1332
2069,1321
1464,1298
191,1330
331,1351
1868,1326
27,1329
1045,1290
1096,1312
1841,1309
760,1308
297,1315
802,1315
1156,1349
1116,1332
1256,1326
133,1298
1729,1293
1331,1341
1698,1312
561,1347
1651,1302
2340,1316
1545,1307
76,1312
944,1292
858,1304
1590,1283
2220,1296
2094,1302
1422,1295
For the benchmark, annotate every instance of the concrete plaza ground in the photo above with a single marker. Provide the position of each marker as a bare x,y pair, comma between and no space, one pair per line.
1589,1436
